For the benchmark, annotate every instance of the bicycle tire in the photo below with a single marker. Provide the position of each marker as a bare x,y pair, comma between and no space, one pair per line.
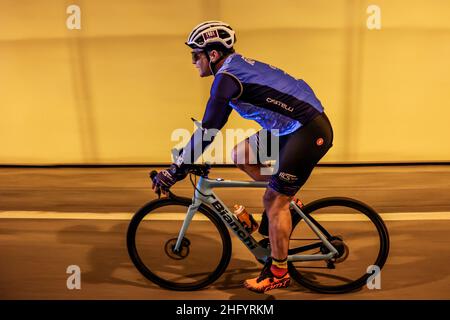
146,272
382,253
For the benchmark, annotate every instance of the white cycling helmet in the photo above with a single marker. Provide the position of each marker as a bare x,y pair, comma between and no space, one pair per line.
211,32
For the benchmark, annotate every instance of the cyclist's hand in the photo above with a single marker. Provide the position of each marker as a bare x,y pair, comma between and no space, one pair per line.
167,178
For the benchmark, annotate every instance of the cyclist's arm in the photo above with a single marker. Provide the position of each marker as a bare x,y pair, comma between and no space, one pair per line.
217,111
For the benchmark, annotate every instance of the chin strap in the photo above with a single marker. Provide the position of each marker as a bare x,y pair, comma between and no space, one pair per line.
212,65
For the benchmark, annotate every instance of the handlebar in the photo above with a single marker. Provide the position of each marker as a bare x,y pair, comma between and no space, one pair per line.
196,169
201,170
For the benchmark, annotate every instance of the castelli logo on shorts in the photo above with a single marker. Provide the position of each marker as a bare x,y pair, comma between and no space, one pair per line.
319,142
287,177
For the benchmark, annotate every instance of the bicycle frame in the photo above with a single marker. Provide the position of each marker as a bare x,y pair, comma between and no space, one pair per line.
204,195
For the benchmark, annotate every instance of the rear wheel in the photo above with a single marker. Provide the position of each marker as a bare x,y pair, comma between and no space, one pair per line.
204,253
354,229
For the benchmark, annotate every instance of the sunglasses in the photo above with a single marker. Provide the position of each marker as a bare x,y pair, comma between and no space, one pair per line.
196,56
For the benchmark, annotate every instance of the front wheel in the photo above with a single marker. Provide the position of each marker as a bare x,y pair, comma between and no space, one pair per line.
355,230
204,253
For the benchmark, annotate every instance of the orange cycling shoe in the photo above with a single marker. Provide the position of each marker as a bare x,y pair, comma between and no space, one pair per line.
267,281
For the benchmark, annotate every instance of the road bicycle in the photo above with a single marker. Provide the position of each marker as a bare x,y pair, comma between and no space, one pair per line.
184,244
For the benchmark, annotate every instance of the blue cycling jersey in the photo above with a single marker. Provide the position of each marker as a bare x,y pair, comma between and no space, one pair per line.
257,91
270,96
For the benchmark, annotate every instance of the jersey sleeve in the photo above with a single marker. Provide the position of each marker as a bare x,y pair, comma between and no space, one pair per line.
224,88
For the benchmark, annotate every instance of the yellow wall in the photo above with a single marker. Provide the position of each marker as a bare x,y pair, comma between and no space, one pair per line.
114,91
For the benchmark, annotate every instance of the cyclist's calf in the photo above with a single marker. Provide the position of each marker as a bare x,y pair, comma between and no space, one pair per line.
280,224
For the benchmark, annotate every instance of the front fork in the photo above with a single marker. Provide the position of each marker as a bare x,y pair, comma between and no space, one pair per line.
187,220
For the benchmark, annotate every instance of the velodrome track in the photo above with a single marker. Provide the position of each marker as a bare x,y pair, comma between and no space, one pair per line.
51,218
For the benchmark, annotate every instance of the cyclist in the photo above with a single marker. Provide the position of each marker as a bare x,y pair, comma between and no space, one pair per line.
283,105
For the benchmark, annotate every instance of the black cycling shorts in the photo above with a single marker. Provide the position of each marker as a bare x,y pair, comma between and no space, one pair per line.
299,152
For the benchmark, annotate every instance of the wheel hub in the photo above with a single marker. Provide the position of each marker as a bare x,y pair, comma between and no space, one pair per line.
341,248
181,253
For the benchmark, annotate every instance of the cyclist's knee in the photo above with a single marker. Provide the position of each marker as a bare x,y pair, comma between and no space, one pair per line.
269,195
274,197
